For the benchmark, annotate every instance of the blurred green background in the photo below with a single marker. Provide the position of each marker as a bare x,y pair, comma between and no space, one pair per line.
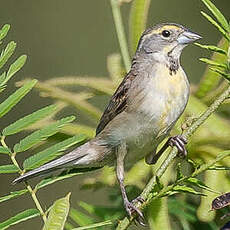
74,38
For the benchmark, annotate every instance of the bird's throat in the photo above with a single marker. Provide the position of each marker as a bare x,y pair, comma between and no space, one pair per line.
173,65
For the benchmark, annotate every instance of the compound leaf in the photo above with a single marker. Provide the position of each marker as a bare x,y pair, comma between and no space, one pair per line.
28,120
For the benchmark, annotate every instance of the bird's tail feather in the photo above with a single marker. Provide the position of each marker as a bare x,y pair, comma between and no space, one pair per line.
70,160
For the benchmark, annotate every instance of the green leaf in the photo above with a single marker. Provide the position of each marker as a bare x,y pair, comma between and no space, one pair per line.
184,188
212,48
210,19
41,135
218,15
16,66
4,31
4,150
7,53
28,120
225,75
210,80
2,80
13,195
137,21
8,169
58,214
194,164
200,184
219,167
80,218
51,180
94,226
213,63
25,215
14,98
51,152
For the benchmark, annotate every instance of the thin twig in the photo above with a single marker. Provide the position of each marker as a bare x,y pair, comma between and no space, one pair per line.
147,195
120,33
36,201
78,100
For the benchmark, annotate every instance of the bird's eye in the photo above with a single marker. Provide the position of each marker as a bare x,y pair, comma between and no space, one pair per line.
166,33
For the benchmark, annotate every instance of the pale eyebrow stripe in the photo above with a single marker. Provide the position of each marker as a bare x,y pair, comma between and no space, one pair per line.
159,30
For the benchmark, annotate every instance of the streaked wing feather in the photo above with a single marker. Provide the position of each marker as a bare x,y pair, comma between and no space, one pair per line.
117,103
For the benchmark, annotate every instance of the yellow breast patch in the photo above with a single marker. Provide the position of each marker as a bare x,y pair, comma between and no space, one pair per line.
170,83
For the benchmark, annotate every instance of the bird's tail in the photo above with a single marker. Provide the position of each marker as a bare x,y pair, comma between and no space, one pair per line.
85,156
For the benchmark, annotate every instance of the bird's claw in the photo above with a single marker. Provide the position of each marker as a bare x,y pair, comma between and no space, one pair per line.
179,142
131,209
137,199
140,221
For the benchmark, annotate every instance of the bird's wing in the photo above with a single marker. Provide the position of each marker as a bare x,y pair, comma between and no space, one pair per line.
117,103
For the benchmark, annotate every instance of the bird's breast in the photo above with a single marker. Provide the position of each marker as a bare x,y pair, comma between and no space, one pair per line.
160,101
163,99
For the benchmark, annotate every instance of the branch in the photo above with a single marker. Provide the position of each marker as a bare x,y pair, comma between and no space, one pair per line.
147,194
120,33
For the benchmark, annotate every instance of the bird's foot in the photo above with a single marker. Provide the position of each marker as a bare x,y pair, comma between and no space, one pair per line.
137,199
179,142
140,220
132,209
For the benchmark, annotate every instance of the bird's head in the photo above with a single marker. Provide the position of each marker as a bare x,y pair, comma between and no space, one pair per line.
165,40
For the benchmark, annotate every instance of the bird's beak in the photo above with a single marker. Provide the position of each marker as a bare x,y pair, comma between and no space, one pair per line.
188,37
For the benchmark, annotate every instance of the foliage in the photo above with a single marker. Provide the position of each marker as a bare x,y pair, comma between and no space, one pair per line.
58,214
30,141
172,200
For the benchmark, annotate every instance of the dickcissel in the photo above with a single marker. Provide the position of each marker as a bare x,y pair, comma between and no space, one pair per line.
142,111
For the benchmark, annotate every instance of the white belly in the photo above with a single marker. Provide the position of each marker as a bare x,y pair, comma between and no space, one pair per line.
163,102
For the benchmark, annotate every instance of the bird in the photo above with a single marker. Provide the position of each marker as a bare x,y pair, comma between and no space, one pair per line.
141,112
